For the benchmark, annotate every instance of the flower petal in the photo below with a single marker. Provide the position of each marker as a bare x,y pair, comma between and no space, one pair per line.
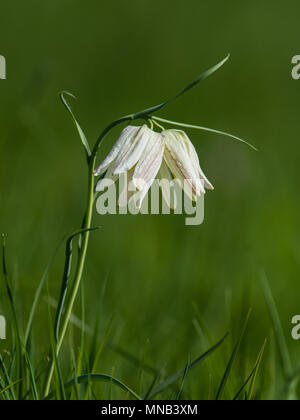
195,160
149,162
167,186
127,191
106,181
139,196
180,163
126,135
132,150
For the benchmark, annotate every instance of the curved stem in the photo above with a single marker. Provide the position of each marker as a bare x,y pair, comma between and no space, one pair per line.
106,131
79,271
84,246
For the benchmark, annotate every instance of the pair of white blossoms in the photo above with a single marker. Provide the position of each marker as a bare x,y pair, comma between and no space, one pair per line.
145,155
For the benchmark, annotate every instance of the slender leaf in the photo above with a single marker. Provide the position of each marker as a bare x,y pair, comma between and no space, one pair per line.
79,129
183,379
203,76
155,380
18,341
258,363
291,383
32,377
146,113
252,376
177,375
10,386
282,345
210,130
97,378
203,324
60,388
101,346
280,338
6,377
39,291
133,359
232,360
66,276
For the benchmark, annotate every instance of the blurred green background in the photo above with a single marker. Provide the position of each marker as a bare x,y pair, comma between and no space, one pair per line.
118,57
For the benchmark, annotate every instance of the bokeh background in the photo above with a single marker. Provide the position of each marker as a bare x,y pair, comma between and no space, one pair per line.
150,272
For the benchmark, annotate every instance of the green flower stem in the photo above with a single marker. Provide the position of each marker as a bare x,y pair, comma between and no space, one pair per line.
84,246
79,271
105,132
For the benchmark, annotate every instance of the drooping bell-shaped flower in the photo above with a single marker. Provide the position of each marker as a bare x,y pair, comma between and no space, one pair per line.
137,152
144,155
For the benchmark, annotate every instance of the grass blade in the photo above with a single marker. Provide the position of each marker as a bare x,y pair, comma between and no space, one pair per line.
133,359
102,343
177,375
155,380
203,324
280,338
6,377
232,360
18,341
10,386
291,383
97,378
282,345
252,376
60,389
258,363
38,293
183,379
35,393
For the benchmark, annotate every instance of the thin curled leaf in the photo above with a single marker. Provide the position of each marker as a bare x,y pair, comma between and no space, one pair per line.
210,130
79,129
203,76
146,113
66,277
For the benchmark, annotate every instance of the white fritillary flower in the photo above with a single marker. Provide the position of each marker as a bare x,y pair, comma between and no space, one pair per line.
145,155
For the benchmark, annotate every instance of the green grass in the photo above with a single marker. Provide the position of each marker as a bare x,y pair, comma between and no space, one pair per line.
24,370
23,374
